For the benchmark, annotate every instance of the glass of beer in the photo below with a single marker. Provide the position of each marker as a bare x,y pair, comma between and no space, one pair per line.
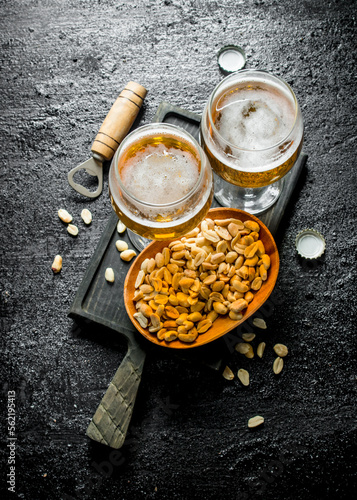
252,133
160,183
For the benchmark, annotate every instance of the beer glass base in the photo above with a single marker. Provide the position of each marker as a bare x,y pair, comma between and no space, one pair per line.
251,200
138,241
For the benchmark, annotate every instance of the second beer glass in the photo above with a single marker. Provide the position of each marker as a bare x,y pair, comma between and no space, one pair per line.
160,183
252,133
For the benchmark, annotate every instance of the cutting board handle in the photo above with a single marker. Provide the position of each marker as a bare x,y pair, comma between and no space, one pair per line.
110,422
118,121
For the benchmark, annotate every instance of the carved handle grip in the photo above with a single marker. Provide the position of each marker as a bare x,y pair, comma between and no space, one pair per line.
110,422
119,120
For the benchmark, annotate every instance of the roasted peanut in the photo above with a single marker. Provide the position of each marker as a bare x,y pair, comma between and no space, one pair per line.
252,261
109,275
155,320
228,374
252,225
86,216
210,279
170,323
242,348
145,309
159,259
204,325
57,264
146,288
194,317
161,299
217,258
161,334
127,255
260,349
235,316
182,318
256,283
220,308
281,350
64,216
166,254
140,278
171,312
121,245
238,305
213,271
170,335
143,321
121,227
223,233
190,336
212,316
153,329
240,287
266,261
263,272
72,229
249,296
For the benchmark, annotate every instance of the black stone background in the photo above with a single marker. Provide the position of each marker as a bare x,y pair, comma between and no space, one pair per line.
63,62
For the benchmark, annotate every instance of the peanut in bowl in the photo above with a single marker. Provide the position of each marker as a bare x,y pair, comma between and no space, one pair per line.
191,291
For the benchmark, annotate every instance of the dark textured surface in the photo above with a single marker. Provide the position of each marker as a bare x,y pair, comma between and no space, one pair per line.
62,65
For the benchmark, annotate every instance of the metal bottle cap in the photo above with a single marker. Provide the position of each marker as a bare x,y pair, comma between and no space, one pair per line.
310,244
231,58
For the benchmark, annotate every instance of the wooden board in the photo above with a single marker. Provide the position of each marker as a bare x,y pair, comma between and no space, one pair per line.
96,303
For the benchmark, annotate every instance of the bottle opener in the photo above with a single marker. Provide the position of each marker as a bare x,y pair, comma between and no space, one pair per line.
113,130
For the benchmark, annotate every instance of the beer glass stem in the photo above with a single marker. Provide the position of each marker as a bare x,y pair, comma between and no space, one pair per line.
138,241
252,200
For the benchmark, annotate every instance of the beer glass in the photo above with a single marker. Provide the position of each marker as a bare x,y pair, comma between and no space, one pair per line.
252,133
160,183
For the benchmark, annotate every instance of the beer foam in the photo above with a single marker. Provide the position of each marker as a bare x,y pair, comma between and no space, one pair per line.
160,174
254,118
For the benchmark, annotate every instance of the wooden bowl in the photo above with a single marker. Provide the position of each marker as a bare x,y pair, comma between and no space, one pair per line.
223,324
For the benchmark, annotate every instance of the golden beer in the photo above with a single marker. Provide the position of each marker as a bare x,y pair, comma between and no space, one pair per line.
252,133
160,182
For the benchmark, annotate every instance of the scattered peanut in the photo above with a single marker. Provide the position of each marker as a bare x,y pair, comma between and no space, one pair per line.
228,374
72,229
64,215
121,245
278,365
280,350
255,421
243,376
242,348
212,272
259,323
86,216
57,264
121,227
109,275
250,353
127,255
248,337
260,349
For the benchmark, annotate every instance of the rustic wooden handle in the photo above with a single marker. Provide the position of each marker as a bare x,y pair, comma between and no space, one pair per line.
119,120
110,422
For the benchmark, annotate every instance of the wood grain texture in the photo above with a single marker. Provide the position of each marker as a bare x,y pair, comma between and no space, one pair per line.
110,422
119,120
